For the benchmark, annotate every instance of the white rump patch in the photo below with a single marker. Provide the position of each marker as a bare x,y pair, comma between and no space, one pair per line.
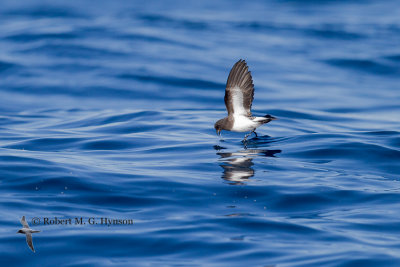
259,119
244,124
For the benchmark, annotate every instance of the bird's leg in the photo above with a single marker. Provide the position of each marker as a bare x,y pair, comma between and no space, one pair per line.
255,132
245,137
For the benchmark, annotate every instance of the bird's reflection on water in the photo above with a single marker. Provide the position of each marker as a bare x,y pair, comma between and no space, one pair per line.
238,165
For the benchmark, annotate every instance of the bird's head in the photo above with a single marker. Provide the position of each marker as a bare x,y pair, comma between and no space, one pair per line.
20,232
218,127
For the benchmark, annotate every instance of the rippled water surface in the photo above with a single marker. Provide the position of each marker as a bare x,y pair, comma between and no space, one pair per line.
107,111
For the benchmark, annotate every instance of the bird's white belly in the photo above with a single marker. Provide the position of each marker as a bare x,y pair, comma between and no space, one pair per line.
244,124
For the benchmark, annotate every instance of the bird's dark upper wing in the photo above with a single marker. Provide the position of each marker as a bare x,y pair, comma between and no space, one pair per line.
239,92
24,223
29,241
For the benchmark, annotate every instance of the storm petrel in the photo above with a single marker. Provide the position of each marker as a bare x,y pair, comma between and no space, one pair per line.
239,95
28,232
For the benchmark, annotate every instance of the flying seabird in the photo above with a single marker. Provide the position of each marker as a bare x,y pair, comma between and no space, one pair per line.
239,95
28,232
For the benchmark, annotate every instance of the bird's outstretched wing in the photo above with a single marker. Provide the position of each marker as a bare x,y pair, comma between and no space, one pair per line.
29,241
239,92
24,223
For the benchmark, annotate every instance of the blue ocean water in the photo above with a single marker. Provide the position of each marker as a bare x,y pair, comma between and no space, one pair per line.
107,111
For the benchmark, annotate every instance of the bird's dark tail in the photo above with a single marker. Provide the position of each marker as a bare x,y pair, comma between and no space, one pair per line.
269,118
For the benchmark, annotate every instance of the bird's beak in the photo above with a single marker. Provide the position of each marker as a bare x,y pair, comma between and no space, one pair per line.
273,118
219,132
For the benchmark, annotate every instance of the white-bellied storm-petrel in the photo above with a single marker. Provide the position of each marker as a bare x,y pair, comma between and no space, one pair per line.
28,232
239,95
